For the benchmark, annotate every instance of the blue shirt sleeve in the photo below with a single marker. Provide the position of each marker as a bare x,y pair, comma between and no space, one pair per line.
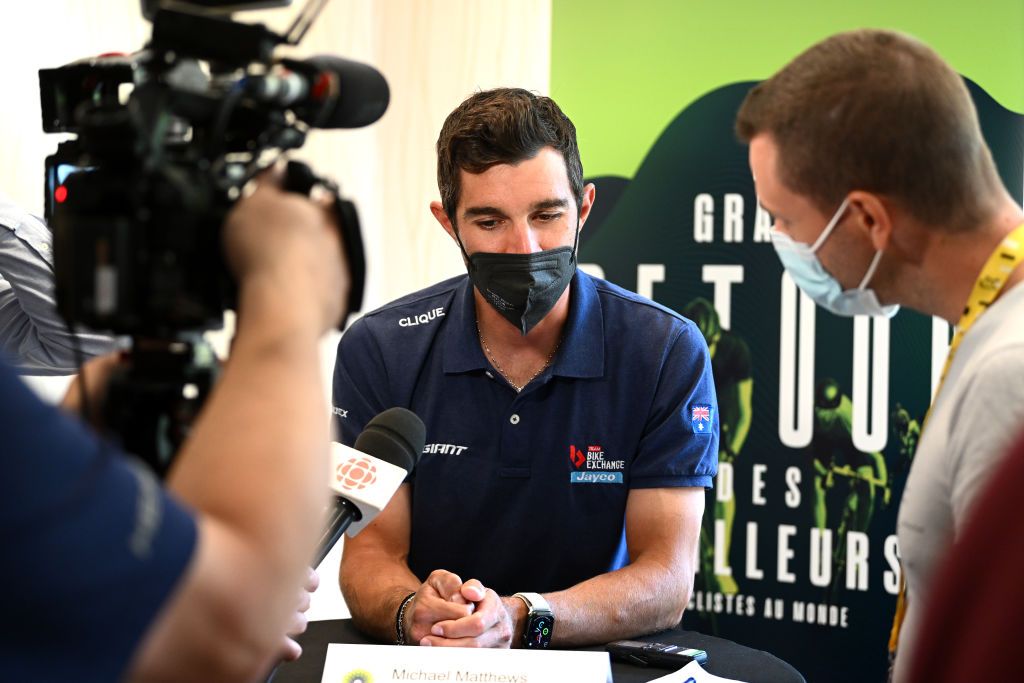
360,388
680,442
92,545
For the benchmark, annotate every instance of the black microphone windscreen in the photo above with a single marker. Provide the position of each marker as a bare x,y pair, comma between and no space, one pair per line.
363,95
396,436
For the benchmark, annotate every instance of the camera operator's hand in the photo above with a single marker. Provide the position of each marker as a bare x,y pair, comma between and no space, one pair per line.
285,245
292,650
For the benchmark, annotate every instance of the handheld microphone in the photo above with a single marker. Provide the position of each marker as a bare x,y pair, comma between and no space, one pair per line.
364,478
326,91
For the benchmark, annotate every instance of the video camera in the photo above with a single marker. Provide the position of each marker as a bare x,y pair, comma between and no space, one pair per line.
167,138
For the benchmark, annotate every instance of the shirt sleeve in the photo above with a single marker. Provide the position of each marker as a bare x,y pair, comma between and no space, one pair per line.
680,442
360,388
33,336
91,541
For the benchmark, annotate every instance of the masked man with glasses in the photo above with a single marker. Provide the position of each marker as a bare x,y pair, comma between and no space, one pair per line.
866,149
572,425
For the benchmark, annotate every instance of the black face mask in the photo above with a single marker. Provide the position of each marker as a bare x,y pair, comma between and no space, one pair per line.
523,288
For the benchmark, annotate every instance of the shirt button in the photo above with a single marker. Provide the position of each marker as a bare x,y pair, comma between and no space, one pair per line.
514,419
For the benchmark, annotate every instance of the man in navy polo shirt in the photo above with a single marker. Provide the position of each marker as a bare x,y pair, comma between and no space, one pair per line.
571,425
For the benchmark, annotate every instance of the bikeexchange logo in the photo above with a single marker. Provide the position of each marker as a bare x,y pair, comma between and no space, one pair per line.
356,473
592,467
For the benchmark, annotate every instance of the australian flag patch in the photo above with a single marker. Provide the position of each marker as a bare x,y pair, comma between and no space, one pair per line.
700,419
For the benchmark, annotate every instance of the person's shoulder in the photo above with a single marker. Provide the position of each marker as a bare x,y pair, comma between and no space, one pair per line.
410,310
995,345
620,304
618,297
413,302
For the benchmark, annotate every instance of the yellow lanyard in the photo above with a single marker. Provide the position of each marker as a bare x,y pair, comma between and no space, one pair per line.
1007,256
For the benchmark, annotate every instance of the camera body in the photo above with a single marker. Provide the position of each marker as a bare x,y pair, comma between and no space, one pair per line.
166,139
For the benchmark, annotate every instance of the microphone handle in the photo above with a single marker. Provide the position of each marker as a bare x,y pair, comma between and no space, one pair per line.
342,515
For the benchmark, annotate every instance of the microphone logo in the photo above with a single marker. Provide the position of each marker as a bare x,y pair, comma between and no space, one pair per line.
356,474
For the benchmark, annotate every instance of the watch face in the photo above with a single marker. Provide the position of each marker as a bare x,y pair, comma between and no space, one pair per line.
538,633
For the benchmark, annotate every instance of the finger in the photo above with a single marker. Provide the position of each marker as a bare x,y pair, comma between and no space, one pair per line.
271,176
290,650
489,615
435,641
297,625
444,583
305,600
472,626
473,591
312,579
430,609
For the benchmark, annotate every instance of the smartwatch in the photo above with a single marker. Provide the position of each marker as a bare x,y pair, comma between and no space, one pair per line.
540,621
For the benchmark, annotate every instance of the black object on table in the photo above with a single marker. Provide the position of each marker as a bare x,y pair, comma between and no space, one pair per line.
725,658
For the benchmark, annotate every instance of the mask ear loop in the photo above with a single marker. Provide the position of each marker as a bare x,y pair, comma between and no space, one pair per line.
462,248
831,225
576,242
871,270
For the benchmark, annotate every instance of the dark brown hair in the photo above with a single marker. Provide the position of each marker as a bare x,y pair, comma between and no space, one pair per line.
502,126
877,111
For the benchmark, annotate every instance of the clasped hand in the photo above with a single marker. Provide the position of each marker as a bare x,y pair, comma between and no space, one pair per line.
448,612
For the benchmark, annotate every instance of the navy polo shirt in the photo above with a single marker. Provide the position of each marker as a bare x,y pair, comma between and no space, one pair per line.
92,546
527,491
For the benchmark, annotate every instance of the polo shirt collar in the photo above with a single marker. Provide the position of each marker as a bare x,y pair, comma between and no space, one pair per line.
582,352
462,352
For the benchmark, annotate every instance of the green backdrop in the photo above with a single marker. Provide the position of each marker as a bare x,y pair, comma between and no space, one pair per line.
652,88
623,70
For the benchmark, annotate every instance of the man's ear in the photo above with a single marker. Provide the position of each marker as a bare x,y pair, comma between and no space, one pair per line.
872,214
589,194
441,216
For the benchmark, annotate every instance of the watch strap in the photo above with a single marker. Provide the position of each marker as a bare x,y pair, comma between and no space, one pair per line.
535,602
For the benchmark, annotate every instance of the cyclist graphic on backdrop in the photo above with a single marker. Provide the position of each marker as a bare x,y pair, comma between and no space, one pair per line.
730,365
837,463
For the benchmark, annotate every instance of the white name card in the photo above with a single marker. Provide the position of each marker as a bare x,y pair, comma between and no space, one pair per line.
394,664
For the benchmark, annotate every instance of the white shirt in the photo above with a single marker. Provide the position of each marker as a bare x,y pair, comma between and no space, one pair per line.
975,418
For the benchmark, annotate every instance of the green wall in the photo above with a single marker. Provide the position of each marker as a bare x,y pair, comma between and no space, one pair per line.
623,70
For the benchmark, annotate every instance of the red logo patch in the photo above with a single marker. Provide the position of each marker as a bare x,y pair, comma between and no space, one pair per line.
576,456
356,474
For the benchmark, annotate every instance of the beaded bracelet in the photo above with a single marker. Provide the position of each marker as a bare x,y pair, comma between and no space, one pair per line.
400,620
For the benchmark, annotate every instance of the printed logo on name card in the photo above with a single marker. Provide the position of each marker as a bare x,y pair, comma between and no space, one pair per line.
358,676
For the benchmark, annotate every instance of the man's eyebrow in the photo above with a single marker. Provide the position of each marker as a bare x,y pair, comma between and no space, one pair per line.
474,211
551,204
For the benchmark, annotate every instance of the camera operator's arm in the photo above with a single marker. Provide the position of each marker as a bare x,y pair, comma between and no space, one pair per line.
255,464
32,334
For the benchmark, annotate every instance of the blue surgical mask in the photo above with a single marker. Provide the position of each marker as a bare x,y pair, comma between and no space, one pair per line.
802,263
